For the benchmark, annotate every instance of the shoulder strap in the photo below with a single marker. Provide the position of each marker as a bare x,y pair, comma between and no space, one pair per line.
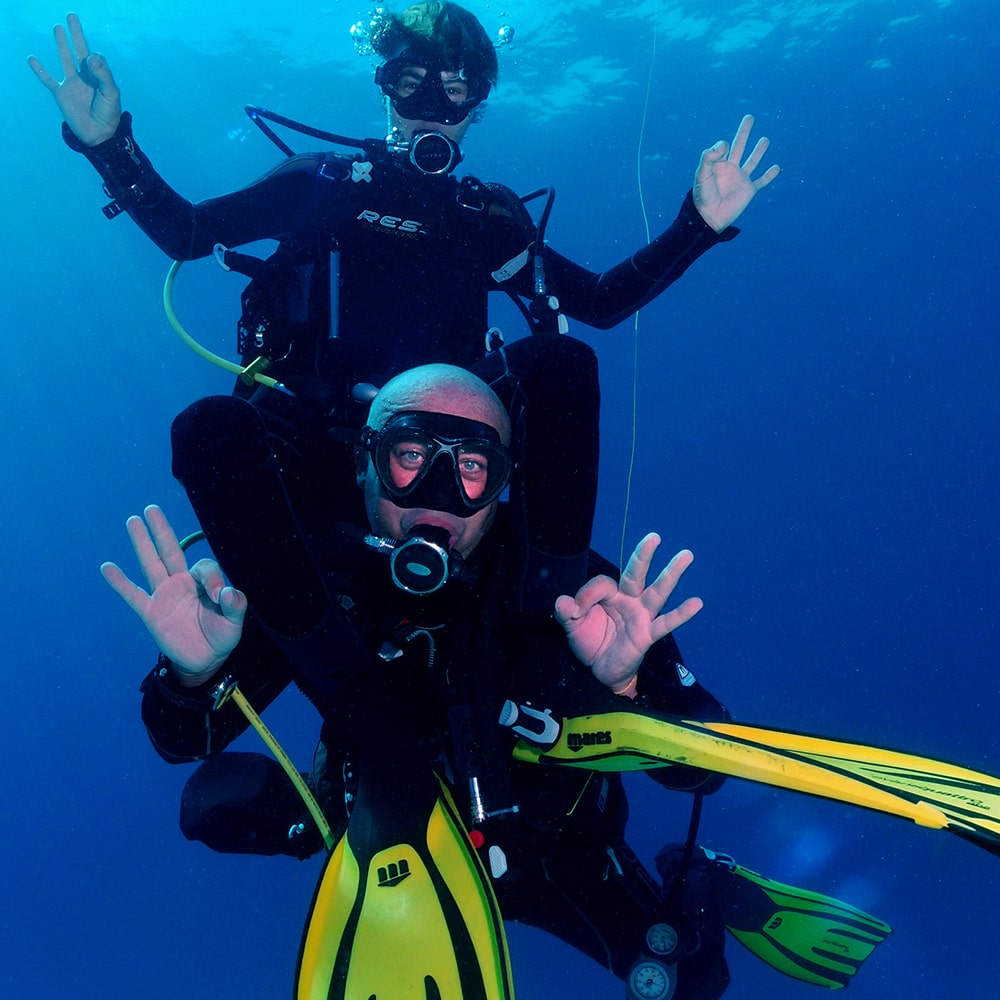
507,202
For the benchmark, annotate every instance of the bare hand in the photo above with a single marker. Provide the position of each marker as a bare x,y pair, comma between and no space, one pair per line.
722,186
611,625
88,96
193,616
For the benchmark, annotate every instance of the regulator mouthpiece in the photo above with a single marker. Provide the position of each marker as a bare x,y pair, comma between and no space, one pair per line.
429,152
422,562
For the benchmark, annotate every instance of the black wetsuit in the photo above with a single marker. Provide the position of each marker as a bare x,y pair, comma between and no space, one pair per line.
570,871
418,254
411,259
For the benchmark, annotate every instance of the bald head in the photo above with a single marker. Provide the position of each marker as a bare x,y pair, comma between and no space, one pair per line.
440,389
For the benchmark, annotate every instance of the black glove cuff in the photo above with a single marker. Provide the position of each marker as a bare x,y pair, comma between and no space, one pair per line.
128,176
162,681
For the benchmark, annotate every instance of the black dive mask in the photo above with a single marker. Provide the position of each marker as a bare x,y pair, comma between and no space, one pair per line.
427,98
436,461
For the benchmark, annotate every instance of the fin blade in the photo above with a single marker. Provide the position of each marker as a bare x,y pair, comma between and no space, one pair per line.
786,962
804,934
970,800
931,793
405,881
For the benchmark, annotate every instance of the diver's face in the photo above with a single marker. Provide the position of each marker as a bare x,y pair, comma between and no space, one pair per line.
456,89
390,521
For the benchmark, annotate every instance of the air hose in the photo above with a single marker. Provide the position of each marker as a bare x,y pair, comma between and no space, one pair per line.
227,689
315,810
251,373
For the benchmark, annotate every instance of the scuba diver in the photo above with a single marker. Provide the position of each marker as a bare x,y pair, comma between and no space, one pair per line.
437,834
411,253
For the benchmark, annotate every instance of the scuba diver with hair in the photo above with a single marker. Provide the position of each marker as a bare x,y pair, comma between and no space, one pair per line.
412,253
437,833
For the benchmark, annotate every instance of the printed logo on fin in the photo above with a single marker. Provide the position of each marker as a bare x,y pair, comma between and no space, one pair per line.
393,873
577,741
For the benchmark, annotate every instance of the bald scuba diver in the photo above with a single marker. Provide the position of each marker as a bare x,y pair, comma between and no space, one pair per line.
412,686
424,676
413,253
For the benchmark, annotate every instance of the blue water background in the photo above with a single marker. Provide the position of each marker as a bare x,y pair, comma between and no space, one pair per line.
816,415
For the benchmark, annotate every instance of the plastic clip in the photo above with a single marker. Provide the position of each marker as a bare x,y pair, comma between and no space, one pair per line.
219,252
546,736
260,364
221,692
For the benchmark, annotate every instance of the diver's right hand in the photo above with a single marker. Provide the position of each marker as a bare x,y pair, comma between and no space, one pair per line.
193,616
611,625
88,96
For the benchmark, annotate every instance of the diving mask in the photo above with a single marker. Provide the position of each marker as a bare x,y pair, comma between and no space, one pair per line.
418,92
437,461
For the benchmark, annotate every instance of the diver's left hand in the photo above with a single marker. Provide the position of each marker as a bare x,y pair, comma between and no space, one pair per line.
723,187
610,626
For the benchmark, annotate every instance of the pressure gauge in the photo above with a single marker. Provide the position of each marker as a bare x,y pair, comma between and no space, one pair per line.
662,939
650,981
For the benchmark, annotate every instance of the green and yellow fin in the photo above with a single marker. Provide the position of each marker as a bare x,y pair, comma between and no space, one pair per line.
948,796
801,933
929,792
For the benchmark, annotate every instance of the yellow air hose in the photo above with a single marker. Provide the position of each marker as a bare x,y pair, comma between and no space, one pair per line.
253,372
231,690
285,761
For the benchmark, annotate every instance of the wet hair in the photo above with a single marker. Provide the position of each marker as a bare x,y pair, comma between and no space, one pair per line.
440,33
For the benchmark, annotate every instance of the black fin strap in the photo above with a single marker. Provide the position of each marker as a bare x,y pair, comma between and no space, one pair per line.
676,892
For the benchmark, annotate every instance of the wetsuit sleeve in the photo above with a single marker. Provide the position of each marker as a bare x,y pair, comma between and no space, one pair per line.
546,673
280,202
181,722
666,685
604,299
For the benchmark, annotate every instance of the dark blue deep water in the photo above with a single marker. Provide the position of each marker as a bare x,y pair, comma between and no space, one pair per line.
818,418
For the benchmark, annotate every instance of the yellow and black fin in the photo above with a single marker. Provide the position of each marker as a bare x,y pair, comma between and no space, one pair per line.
931,793
404,909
